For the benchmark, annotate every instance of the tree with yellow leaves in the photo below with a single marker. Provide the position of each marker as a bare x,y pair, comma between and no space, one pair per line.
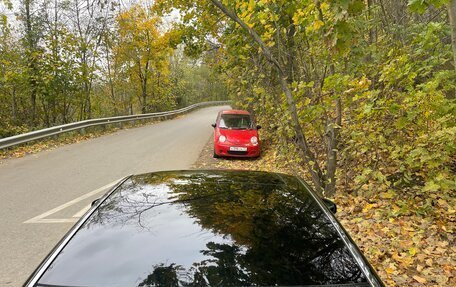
144,52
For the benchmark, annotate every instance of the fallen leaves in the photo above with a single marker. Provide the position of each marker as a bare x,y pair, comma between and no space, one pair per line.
408,236
406,248
420,279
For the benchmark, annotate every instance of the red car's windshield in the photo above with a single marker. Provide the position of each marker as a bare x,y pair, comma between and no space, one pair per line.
235,121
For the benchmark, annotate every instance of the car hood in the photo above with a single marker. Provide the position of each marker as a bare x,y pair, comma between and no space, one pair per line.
206,228
238,135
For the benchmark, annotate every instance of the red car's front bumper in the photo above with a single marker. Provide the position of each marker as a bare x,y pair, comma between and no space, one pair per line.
223,149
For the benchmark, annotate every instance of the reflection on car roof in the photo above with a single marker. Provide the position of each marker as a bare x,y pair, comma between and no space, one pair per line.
206,228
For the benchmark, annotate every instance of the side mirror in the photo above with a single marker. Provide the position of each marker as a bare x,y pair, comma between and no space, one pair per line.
331,205
258,127
213,125
95,202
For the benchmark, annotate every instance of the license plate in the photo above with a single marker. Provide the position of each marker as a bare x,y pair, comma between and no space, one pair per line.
236,148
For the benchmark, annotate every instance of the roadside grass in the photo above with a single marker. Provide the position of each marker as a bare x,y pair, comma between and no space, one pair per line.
407,235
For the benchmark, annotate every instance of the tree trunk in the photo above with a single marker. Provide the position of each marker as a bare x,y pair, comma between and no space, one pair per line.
309,158
144,79
333,132
110,81
291,53
372,34
31,47
14,105
452,16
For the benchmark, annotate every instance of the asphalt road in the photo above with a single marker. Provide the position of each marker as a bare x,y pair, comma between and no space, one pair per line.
42,195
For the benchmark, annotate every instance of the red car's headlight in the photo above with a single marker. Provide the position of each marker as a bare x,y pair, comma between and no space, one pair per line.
222,139
254,140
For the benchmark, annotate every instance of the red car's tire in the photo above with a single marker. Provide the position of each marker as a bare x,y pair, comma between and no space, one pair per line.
216,155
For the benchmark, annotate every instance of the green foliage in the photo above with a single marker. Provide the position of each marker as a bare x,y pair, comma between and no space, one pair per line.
406,124
144,53
66,63
420,6
7,130
393,78
374,85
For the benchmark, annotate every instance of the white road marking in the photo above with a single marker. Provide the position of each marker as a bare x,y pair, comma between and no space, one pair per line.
54,220
42,217
81,212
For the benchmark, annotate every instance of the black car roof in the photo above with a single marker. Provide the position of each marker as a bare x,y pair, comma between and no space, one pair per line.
207,228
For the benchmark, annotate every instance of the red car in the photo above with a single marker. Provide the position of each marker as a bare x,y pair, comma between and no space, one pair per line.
236,135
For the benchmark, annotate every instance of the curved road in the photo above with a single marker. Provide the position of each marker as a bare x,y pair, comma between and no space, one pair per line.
42,195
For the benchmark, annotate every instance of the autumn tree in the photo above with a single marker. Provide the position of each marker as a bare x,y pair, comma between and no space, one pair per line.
88,20
422,6
320,75
31,30
275,30
12,102
64,61
144,51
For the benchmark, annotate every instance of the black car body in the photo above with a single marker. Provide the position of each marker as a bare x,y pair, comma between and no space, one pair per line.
207,228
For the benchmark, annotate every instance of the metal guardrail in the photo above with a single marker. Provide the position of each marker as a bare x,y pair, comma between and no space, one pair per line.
39,134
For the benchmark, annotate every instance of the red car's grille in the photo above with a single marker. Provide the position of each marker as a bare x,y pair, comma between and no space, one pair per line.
237,152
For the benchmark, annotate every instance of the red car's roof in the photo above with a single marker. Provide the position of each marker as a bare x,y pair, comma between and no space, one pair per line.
235,112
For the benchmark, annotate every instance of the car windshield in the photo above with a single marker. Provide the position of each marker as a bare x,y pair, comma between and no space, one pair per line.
235,122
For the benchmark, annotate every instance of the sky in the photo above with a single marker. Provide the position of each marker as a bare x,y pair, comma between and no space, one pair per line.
174,16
